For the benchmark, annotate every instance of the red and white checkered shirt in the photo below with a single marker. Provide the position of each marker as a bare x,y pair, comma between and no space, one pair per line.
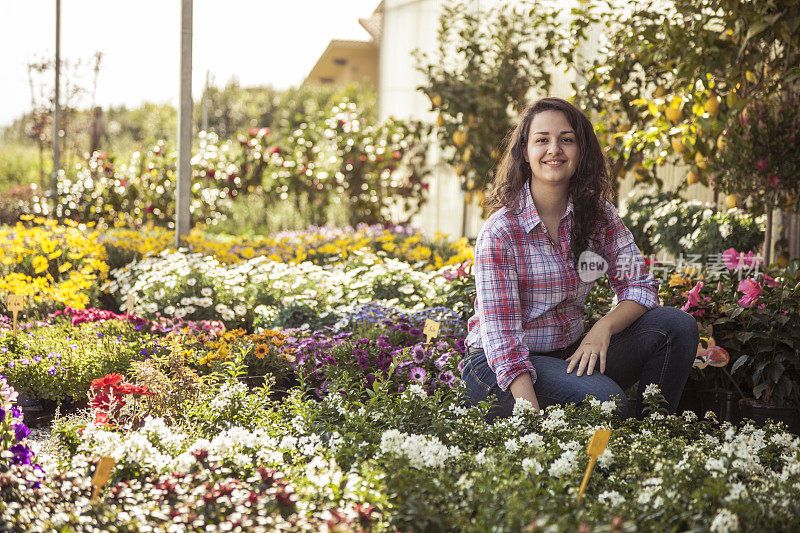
530,296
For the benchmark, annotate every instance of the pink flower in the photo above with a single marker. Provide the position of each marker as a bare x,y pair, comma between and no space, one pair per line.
693,299
770,281
738,260
751,290
762,165
773,179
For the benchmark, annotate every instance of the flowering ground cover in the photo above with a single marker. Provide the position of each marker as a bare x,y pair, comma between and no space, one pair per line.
262,394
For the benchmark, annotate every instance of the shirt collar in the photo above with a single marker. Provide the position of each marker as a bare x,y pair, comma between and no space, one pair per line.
529,216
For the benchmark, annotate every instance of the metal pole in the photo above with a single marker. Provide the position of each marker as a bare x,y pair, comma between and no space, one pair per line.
57,112
183,196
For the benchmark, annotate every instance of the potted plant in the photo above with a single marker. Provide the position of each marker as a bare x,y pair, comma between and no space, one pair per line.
761,329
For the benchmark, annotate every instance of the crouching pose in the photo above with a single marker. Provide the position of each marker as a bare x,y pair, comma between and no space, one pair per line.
551,233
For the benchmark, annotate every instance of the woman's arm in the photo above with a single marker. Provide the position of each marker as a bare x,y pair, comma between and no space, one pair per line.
522,387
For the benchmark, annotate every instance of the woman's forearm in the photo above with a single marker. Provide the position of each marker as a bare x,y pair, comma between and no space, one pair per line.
522,387
623,315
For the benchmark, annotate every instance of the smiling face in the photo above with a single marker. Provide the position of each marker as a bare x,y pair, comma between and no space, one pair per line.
552,149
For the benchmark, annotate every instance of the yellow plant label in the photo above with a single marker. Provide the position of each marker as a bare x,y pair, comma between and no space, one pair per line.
102,474
431,329
599,442
15,303
596,447
130,303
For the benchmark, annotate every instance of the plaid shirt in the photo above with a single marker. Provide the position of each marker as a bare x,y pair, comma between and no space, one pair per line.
530,297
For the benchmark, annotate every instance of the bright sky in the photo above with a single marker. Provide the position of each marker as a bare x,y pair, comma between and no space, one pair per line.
260,42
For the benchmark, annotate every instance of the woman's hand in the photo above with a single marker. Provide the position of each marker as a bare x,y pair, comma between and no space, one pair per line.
593,349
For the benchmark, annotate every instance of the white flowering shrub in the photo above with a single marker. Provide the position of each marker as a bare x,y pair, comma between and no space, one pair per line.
264,292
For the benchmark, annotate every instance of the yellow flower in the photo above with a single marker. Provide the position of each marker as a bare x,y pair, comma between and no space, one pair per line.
39,264
66,266
677,280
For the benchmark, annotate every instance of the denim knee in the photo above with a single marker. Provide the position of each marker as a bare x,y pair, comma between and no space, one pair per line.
683,332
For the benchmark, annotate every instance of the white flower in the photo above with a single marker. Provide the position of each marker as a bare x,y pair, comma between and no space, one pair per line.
512,445
606,458
205,291
651,390
531,466
416,389
191,282
689,416
736,492
240,310
611,497
724,521
521,406
421,451
608,407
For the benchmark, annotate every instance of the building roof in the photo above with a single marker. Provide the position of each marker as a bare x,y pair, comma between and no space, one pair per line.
374,23
345,55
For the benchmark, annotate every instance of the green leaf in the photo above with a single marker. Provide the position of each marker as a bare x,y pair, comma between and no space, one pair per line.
739,362
759,389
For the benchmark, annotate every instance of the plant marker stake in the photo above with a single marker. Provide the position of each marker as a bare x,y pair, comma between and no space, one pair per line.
431,329
15,303
130,303
101,475
596,447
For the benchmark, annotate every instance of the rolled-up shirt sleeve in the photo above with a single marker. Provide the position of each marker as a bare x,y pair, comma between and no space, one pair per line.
499,308
627,272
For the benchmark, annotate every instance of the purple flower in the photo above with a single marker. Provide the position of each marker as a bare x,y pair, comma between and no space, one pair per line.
406,328
51,370
440,362
15,412
21,431
22,454
447,377
144,351
418,374
12,364
331,360
460,346
416,332
369,380
418,354
363,362
384,342
461,365
25,362
5,349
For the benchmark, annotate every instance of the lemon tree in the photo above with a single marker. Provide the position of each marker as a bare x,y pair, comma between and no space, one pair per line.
671,75
487,64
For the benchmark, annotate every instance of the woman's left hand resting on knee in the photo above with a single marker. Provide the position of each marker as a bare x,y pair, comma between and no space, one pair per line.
594,346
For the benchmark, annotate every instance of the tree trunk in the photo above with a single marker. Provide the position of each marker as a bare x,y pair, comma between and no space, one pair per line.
768,237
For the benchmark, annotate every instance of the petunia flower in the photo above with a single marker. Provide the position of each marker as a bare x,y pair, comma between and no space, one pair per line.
751,290
738,260
693,300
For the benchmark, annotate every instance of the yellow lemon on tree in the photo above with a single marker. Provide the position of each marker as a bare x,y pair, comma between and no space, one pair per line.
440,120
638,172
721,141
677,145
459,138
749,76
436,100
732,201
692,178
702,162
712,105
674,111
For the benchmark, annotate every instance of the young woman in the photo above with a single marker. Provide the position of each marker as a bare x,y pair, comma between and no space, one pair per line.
551,229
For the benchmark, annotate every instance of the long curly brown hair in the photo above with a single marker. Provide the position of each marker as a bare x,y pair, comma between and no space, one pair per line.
589,187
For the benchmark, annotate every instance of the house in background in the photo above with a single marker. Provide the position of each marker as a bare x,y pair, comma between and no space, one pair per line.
347,61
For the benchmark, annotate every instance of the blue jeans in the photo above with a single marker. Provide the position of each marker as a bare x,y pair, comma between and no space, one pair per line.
659,347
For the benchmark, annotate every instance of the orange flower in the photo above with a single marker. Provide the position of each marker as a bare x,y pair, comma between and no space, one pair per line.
261,350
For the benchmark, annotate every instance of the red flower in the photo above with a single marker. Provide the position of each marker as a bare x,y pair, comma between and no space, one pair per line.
101,417
129,388
762,165
773,179
107,381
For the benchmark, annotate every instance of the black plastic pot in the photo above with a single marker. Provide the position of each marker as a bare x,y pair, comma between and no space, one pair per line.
725,404
760,413
29,404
